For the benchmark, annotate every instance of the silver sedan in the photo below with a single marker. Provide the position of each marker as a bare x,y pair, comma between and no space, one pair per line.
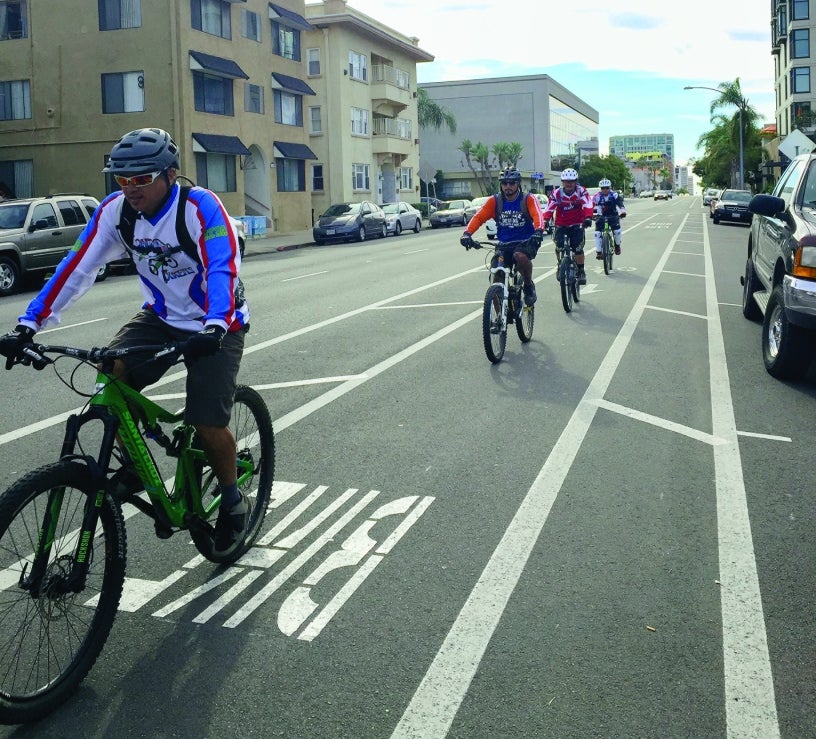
401,217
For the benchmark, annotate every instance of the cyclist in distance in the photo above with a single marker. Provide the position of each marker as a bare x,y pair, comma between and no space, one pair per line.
609,208
518,218
572,208
192,293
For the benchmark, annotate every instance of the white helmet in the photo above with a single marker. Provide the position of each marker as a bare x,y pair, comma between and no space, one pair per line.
569,175
604,183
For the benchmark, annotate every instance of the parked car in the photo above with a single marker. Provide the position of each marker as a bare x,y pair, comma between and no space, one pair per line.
433,203
35,234
711,192
350,222
451,213
732,205
646,194
779,282
401,217
661,195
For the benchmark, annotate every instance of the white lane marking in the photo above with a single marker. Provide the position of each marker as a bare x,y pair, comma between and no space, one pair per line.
430,305
769,437
684,274
72,325
677,312
301,277
416,251
439,695
750,704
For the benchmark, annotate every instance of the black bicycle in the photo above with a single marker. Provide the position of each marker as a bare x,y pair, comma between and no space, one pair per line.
567,272
504,302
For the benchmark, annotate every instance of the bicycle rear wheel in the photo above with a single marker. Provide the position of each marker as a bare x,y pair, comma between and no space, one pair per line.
608,252
51,634
566,279
251,426
494,333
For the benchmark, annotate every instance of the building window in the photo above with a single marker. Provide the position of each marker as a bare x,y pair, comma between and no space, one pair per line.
17,178
357,66
800,80
359,121
215,171
291,175
801,115
315,120
406,178
123,92
800,43
213,94
253,98
211,16
317,178
116,14
13,20
313,62
288,108
360,177
285,41
15,100
250,25
800,10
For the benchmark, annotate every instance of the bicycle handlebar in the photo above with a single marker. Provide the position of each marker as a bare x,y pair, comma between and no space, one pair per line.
34,354
498,245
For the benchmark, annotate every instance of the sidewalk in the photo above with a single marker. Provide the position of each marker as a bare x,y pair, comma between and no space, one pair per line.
279,242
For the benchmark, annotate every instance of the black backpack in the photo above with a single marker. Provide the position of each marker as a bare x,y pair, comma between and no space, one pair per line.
127,225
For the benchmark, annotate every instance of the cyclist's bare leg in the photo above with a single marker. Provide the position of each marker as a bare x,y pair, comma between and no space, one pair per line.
525,266
219,445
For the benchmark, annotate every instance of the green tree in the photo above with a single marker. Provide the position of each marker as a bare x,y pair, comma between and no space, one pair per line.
478,161
432,115
745,126
594,168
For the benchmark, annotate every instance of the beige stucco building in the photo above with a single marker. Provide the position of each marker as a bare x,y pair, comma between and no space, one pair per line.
279,107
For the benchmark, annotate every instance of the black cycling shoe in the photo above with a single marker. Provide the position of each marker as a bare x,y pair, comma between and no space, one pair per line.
231,528
581,276
530,296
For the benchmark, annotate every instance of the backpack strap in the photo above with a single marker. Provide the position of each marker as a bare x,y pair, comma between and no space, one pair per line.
182,233
127,223
525,208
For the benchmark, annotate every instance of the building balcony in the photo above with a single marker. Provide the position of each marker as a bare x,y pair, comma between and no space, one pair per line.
390,93
391,136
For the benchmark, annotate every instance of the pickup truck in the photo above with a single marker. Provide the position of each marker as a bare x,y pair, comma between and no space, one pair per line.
779,282
36,233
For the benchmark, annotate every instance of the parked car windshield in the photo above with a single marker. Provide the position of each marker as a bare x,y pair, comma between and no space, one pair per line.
391,207
739,196
12,216
343,209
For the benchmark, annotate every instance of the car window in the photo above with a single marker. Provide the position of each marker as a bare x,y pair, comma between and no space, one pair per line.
45,212
789,181
90,206
13,216
71,212
809,190
341,209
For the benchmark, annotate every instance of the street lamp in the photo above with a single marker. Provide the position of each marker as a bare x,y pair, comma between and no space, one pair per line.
740,107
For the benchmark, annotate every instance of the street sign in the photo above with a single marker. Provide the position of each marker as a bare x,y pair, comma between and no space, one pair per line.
796,143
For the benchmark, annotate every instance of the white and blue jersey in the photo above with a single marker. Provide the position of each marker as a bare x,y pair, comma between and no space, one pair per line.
186,292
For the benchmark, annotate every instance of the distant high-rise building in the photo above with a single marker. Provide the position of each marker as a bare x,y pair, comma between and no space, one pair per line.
647,156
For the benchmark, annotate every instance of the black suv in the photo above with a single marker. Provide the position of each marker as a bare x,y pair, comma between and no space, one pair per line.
35,234
779,284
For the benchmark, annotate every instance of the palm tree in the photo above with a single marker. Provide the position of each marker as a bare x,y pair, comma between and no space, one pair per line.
746,117
431,115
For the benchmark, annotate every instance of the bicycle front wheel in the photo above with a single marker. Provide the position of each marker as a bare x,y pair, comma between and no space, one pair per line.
494,331
525,322
566,279
608,252
251,426
53,625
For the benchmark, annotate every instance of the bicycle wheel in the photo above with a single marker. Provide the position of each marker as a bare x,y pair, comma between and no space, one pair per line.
608,252
251,426
575,289
493,332
51,637
566,282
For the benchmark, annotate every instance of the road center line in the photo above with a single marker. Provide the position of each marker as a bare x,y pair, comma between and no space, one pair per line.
301,277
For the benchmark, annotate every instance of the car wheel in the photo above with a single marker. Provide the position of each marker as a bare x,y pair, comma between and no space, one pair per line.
716,220
417,226
464,220
384,231
361,234
319,242
785,347
750,284
397,228
103,273
9,276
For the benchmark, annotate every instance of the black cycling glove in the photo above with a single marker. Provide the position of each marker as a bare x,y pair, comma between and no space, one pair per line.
587,222
466,240
12,343
205,343
537,238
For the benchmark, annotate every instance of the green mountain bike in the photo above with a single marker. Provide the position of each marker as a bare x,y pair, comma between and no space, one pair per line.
607,247
62,531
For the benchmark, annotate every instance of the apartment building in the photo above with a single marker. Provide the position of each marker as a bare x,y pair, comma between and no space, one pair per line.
554,127
793,33
646,155
253,92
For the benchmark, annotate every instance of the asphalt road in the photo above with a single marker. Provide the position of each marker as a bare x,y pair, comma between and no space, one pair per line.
609,534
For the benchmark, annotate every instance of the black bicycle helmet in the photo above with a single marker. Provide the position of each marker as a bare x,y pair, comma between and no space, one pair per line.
143,150
510,174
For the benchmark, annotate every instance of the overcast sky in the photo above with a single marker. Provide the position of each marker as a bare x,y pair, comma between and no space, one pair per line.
628,63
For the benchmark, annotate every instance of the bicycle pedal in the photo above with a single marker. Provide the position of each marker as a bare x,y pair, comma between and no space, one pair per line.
162,532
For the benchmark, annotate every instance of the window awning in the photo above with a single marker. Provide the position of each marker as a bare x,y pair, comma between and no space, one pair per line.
214,144
293,84
284,150
288,18
216,65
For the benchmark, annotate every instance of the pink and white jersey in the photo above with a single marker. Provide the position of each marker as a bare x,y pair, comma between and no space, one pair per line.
186,292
